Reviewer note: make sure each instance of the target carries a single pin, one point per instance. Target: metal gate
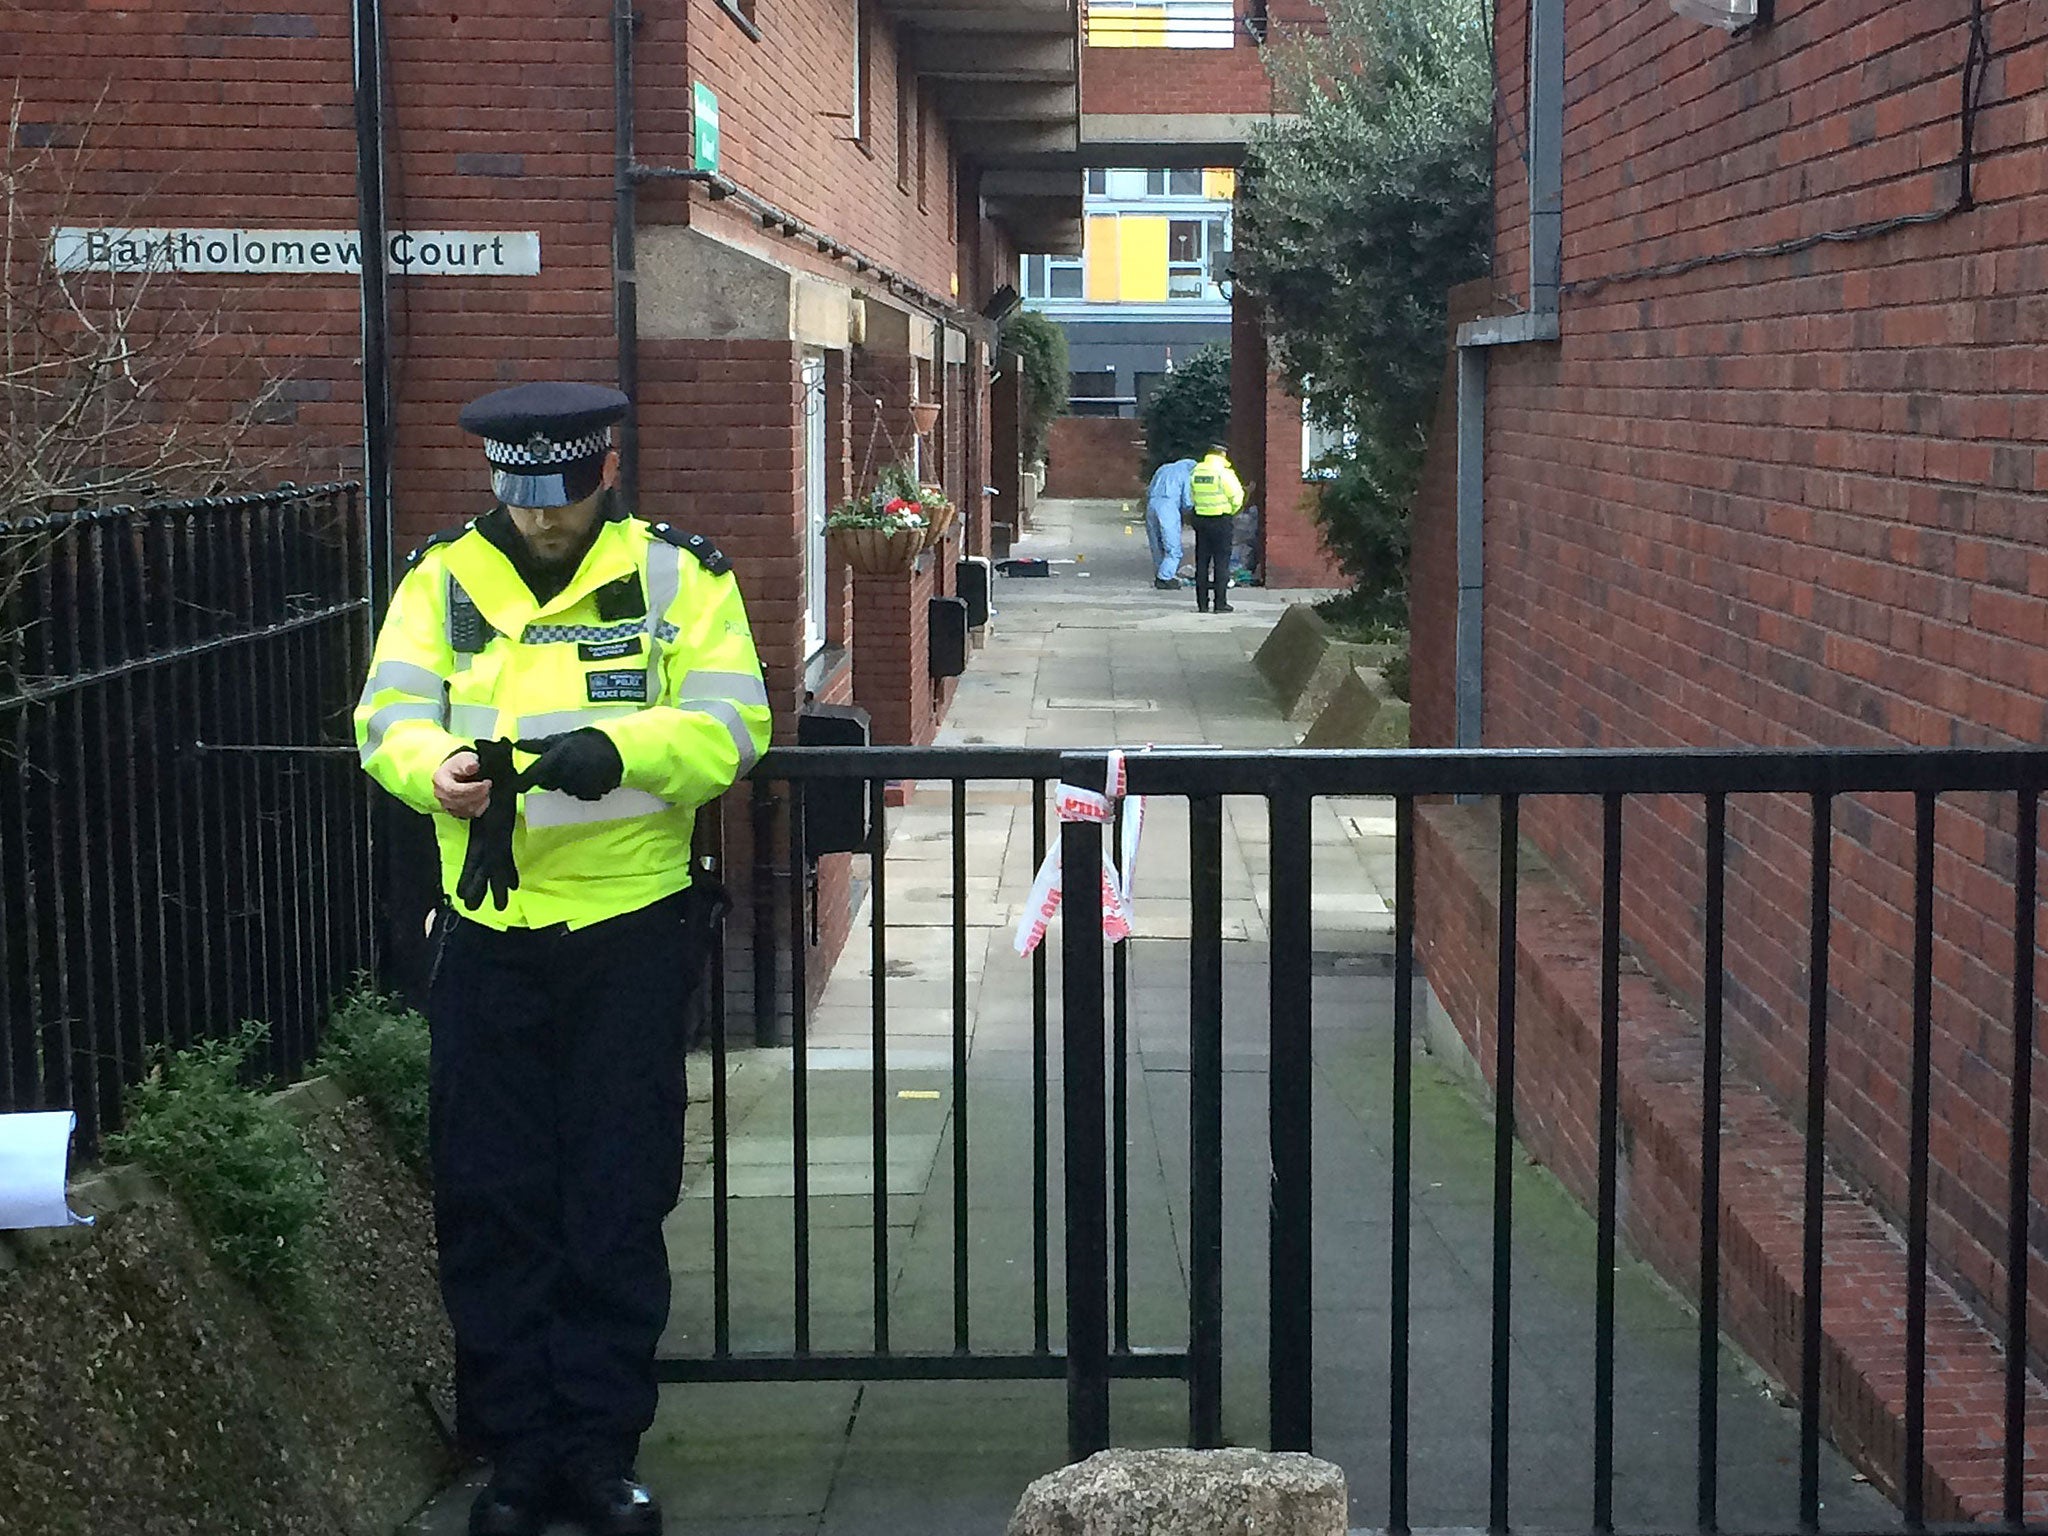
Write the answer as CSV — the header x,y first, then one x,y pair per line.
x,y
1090,1347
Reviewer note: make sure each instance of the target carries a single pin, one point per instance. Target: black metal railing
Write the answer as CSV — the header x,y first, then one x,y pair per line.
x,y
1092,1347
183,829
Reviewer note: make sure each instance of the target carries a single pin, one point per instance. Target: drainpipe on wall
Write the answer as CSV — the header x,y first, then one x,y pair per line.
x,y
1539,322
368,18
625,241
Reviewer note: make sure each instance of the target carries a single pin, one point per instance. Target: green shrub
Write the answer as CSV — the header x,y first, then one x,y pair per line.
x,y
378,1049
1395,672
1364,514
233,1156
1190,410
1043,347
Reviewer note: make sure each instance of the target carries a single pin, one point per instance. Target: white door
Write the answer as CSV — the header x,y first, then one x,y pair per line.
x,y
814,503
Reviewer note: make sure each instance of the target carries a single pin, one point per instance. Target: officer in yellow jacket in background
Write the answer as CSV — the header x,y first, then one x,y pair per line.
x,y
1217,496
560,685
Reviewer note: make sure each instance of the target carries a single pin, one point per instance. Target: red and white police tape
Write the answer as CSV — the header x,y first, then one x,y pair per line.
x,y
1119,865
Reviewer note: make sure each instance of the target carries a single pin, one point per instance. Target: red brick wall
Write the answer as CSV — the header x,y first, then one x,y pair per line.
x,y
721,430
1095,456
1175,80
1294,549
1792,500
892,655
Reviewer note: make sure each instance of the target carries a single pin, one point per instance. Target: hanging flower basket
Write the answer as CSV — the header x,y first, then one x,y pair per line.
x,y
880,533
924,415
939,514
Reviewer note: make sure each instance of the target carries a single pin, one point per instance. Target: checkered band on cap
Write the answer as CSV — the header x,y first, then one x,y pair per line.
x,y
540,449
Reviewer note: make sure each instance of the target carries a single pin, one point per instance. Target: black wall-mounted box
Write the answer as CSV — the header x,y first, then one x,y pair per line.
x,y
948,624
970,580
835,811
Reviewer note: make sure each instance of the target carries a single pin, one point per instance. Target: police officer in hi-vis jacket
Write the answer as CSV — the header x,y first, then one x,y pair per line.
x,y
560,685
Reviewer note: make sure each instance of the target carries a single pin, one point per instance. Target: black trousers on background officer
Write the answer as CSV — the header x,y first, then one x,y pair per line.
x,y
557,1094
1213,537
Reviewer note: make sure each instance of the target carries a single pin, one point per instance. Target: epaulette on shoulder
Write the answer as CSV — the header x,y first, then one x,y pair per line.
x,y
708,554
445,536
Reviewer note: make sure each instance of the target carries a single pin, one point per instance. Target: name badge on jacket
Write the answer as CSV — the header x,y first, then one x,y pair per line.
x,y
616,687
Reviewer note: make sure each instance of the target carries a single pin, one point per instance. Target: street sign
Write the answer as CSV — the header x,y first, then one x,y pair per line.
x,y
704,103
316,252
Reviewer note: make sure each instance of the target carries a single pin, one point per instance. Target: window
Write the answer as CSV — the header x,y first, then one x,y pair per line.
x,y
906,117
814,506
1321,444
1191,248
1184,183
1053,277
860,71
1092,392
1098,183
742,11
924,139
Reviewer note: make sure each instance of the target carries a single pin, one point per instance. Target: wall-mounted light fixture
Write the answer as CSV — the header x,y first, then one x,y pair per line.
x,y
1729,15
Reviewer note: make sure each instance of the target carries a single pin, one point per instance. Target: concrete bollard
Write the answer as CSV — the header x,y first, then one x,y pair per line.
x,y
1186,1493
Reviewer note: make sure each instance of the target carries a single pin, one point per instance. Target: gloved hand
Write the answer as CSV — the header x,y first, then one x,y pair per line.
x,y
583,763
487,866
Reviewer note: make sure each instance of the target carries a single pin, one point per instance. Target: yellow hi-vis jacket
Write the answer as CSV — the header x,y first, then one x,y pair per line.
x,y
1215,488
648,643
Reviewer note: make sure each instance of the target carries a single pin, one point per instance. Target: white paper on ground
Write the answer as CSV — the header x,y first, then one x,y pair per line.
x,y
34,1152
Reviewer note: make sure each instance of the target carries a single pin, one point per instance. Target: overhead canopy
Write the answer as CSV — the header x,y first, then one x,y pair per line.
x,y
1007,76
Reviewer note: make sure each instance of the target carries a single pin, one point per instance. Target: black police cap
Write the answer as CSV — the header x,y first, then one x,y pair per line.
x,y
544,426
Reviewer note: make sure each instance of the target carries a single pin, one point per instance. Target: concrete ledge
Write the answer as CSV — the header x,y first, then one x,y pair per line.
x,y
1557,1048
1360,713
1305,663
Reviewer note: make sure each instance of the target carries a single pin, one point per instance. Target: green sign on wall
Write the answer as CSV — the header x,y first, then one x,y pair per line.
x,y
705,103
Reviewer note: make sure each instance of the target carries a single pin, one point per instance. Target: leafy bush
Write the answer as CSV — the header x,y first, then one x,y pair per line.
x,y
1042,346
1396,673
378,1049
1190,410
1356,215
1364,513
233,1157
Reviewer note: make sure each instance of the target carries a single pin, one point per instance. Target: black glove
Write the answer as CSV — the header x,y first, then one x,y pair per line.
x,y
487,865
583,763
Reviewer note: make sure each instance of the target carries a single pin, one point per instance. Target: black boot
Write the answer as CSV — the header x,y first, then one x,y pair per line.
x,y
614,1504
515,1504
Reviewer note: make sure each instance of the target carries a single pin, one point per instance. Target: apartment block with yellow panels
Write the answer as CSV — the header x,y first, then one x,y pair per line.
x,y
1148,289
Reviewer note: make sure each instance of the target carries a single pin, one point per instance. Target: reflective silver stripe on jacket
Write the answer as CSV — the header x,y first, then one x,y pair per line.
x,y
476,721
405,677
390,715
664,582
552,808
740,687
557,722
727,714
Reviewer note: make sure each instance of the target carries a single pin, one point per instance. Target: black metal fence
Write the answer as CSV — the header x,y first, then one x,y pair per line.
x,y
183,829
1090,1346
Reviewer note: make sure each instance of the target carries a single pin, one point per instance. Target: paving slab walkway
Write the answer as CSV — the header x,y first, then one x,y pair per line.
x,y
1088,657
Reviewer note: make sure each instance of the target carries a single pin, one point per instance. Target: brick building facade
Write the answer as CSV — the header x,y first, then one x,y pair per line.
x,y
1737,485
832,272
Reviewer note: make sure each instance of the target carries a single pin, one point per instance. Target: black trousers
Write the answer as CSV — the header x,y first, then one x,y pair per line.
x,y
1212,559
556,1129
